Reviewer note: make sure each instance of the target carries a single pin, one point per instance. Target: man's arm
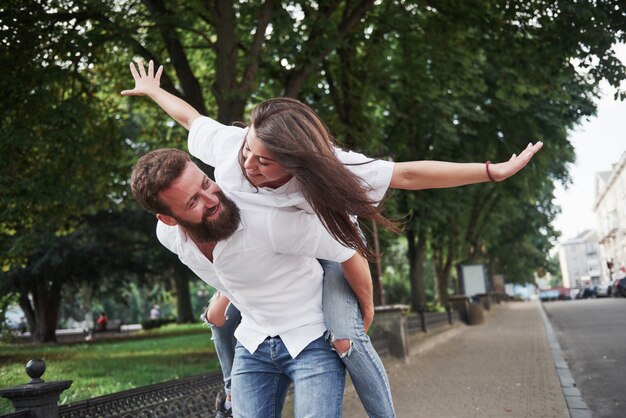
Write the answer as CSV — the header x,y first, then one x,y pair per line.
x,y
418,175
215,314
148,84
357,273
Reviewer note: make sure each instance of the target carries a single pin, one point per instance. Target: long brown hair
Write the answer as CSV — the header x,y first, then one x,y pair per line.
x,y
300,141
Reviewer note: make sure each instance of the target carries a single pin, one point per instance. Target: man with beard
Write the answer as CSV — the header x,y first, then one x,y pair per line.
x,y
264,260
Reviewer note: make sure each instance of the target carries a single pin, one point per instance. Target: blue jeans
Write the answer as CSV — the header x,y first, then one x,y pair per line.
x,y
343,320
224,340
261,380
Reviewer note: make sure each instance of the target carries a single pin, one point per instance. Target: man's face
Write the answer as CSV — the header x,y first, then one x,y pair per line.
x,y
199,206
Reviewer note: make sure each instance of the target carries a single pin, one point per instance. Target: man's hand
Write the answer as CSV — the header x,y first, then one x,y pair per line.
x,y
502,171
145,84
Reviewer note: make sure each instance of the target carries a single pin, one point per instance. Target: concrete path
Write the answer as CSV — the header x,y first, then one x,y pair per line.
x,y
503,368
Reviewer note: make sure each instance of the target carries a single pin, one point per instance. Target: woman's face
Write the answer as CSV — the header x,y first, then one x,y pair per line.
x,y
261,167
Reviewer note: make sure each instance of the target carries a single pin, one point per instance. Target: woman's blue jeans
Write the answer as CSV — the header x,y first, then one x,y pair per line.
x,y
343,321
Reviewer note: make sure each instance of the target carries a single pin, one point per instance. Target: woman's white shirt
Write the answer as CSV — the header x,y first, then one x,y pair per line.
x,y
219,146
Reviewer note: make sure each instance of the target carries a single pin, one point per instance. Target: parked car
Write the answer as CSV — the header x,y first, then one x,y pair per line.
x,y
589,291
604,289
546,295
620,287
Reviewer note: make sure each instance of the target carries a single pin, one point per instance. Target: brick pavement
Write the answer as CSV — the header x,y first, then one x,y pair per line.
x,y
502,368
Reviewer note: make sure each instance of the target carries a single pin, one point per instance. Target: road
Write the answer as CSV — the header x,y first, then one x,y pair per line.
x,y
592,335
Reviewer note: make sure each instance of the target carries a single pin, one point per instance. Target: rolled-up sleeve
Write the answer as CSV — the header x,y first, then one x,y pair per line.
x,y
211,141
375,174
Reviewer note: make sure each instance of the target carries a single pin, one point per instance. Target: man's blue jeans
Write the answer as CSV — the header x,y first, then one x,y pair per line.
x,y
260,380
224,340
343,320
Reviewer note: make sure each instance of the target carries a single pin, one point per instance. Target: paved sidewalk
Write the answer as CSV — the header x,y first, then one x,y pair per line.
x,y
502,368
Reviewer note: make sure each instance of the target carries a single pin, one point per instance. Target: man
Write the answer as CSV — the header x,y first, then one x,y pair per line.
x,y
155,313
264,260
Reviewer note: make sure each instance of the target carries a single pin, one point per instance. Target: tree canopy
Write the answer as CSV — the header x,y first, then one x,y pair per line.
x,y
401,79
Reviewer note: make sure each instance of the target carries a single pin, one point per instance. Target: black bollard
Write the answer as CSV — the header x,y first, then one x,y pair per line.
x,y
449,313
420,311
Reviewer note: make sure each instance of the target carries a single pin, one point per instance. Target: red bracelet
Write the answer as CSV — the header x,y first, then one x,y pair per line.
x,y
488,172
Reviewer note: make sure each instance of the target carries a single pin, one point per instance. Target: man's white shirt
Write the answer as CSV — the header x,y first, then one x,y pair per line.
x,y
268,269
273,278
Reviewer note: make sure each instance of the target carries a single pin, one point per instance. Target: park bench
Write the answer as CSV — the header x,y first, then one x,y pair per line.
x,y
114,325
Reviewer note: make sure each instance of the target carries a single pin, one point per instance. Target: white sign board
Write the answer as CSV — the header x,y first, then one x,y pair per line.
x,y
473,279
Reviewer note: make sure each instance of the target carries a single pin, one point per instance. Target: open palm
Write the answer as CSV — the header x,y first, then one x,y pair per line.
x,y
144,82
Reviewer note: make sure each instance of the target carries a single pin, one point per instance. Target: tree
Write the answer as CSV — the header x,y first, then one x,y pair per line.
x,y
402,79
61,157
463,82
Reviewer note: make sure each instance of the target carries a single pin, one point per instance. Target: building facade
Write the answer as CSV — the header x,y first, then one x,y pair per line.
x,y
610,211
580,260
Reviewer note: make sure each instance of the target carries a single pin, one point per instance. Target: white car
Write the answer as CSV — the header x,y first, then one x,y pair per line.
x,y
604,289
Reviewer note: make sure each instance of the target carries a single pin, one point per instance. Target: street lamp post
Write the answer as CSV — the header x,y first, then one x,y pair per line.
x,y
609,265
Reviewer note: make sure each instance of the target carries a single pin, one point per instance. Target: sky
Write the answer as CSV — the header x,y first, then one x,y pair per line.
x,y
599,143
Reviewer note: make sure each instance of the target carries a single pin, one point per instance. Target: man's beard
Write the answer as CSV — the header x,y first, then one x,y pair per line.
x,y
217,230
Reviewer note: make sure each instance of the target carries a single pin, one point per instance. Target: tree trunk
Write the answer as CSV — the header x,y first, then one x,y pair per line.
x,y
225,88
416,254
376,269
443,259
47,301
183,299
229,109
192,92
443,278
29,313
315,51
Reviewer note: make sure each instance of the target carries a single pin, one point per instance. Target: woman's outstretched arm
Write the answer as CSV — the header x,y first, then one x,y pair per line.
x,y
148,84
417,175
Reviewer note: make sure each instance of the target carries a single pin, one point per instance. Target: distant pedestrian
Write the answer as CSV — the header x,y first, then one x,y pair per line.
x,y
101,322
155,313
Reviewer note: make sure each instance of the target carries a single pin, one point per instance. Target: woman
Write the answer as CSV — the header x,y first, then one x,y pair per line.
x,y
288,158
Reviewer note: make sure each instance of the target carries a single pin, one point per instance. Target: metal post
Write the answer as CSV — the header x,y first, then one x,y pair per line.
x,y
37,397
420,312
449,313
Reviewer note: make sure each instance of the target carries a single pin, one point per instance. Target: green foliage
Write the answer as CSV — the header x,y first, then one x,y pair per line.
x,y
59,151
407,80
471,82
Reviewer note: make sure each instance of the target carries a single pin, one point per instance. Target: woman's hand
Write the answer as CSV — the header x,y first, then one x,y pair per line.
x,y
145,83
502,171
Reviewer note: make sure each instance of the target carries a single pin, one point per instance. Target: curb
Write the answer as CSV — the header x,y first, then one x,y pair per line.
x,y
575,402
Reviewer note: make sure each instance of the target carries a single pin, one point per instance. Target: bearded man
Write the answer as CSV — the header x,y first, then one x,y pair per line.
x,y
264,260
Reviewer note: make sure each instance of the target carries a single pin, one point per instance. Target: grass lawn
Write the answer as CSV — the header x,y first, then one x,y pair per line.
x,y
101,368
